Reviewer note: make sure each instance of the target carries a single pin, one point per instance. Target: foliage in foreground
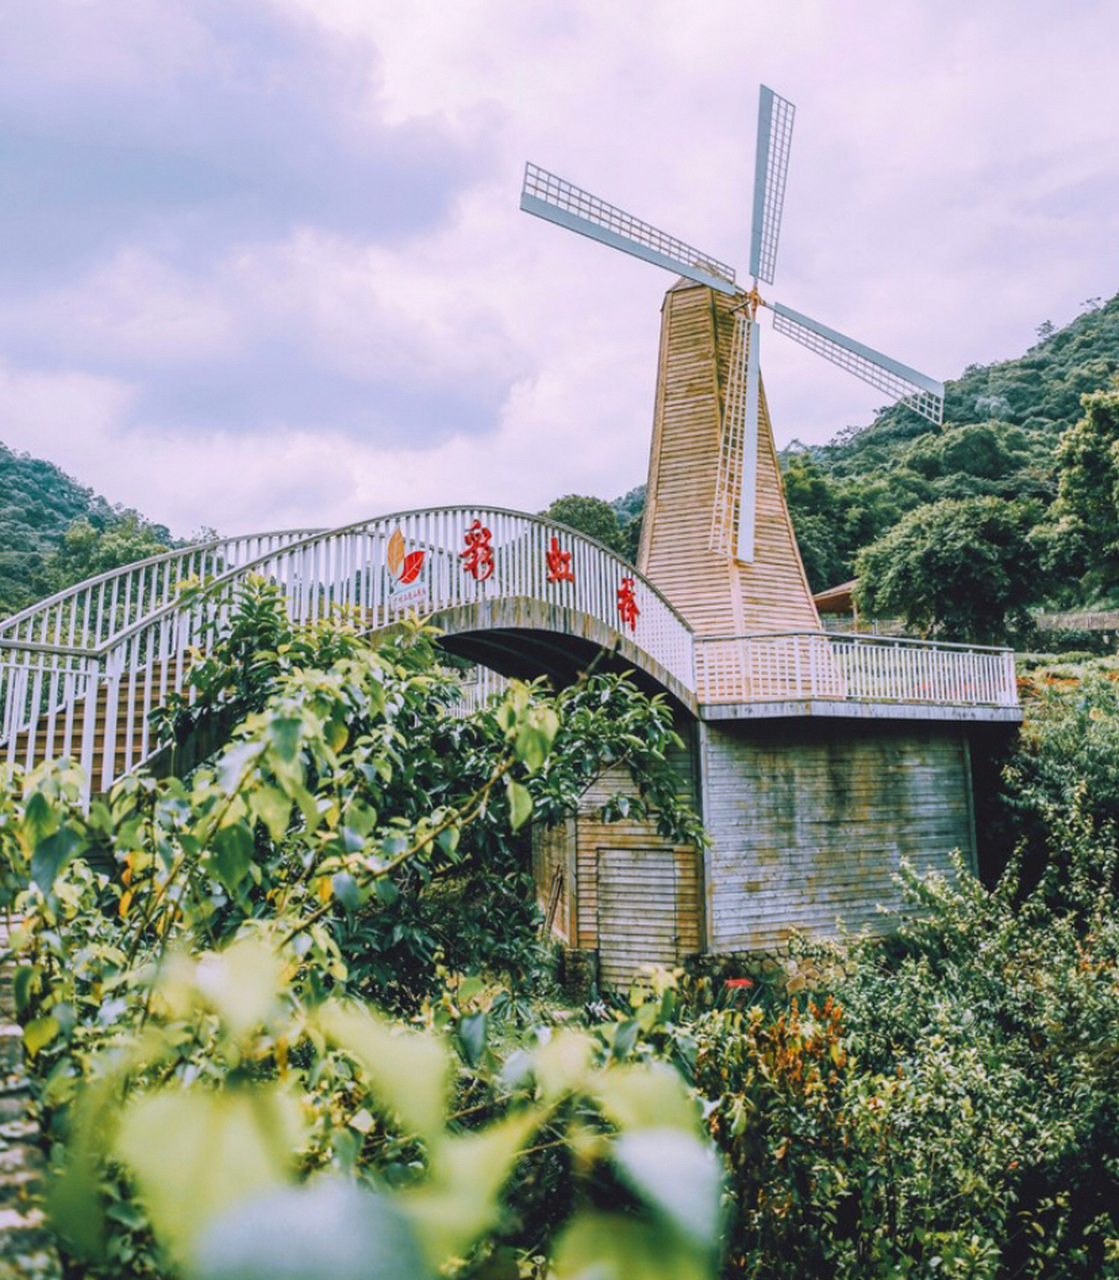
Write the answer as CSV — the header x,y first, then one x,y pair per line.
x,y
951,1108
218,1100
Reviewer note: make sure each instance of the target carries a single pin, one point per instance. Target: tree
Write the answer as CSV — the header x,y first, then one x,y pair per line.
x,y
964,569
1087,507
592,516
88,549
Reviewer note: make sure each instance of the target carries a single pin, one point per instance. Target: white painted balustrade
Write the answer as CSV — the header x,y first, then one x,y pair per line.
x,y
85,667
800,665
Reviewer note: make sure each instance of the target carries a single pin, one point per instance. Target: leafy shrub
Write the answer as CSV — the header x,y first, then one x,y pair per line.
x,y
189,961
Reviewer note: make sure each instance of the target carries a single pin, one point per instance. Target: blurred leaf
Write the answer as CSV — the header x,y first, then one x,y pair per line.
x,y
520,803
645,1097
460,1201
600,1246
562,1064
235,762
326,1230
243,983
407,1069
196,1153
679,1175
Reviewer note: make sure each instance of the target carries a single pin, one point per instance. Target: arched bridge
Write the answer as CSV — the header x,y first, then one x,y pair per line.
x,y
79,672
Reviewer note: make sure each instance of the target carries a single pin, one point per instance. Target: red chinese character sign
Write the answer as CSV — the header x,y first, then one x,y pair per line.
x,y
559,564
477,559
627,604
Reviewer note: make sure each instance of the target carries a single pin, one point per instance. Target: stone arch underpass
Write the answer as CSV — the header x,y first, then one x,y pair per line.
x,y
518,593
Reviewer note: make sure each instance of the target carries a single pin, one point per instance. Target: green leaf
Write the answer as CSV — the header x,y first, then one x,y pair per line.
x,y
38,1034
285,734
601,1246
472,1036
196,1152
679,1175
520,803
21,986
328,1230
386,890
234,762
52,854
273,808
346,890
233,851
645,1097
407,1069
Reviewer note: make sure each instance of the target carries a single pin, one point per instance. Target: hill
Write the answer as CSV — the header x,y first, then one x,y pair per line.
x,y
1002,425
54,531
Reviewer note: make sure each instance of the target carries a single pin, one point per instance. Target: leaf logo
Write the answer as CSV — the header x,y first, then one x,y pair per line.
x,y
396,553
405,568
412,565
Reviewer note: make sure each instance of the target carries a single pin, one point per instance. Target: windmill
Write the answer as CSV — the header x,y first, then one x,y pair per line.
x,y
733,518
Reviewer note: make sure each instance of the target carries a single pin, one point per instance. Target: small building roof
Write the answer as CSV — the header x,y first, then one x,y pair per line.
x,y
837,599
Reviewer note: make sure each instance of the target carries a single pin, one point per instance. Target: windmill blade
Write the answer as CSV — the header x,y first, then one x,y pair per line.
x,y
548,196
775,136
923,394
732,525
748,491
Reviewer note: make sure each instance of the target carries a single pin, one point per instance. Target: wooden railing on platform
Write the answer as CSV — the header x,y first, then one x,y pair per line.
x,y
862,668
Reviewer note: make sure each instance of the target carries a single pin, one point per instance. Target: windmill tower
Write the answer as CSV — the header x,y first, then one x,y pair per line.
x,y
717,538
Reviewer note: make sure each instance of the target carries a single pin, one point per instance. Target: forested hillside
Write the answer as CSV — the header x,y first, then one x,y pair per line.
x,y
1002,424
54,531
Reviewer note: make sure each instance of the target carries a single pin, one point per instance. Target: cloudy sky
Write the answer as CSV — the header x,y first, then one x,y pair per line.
x,y
262,265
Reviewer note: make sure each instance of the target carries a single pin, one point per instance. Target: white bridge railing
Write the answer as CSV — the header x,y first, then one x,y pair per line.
x,y
80,672
859,668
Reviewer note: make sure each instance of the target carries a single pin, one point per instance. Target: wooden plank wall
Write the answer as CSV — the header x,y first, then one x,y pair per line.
x,y
716,594
580,847
810,822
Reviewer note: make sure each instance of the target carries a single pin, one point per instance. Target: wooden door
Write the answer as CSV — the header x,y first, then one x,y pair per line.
x,y
637,911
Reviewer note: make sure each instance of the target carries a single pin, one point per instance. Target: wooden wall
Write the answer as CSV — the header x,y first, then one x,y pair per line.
x,y
811,819
630,894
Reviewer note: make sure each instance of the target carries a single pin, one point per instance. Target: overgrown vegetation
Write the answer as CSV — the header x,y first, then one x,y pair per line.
x,y
200,961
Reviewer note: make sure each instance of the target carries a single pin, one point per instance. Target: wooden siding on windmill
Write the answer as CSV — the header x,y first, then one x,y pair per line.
x,y
716,594
811,821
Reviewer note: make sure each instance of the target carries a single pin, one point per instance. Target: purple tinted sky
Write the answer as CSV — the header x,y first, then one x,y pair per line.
x,y
261,262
